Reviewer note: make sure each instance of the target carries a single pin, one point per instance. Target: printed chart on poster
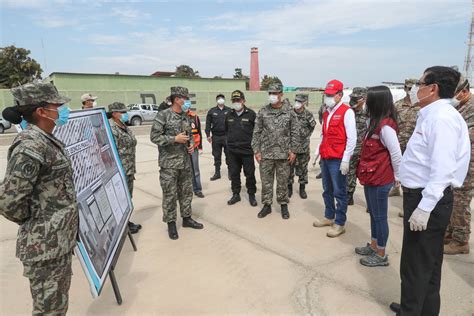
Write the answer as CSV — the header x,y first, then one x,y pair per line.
x,y
102,194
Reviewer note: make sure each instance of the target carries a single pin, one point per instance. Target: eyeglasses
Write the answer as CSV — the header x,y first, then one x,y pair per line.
x,y
422,83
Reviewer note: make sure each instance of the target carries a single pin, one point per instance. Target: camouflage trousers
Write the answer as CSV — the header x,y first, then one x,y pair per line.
x,y
351,175
177,185
49,284
459,228
130,179
269,169
300,168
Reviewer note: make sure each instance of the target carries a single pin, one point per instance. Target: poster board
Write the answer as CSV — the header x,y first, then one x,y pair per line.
x,y
103,198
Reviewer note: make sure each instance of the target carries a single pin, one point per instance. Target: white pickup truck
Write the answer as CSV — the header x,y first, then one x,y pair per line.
x,y
139,113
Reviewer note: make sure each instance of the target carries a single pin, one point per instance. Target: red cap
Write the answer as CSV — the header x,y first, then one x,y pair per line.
x,y
333,87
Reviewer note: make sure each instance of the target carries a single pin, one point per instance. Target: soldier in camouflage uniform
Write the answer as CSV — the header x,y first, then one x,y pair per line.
x,y
357,103
407,114
273,144
305,124
459,229
126,145
171,131
38,194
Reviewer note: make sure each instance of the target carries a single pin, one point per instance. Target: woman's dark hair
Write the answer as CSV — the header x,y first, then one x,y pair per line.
x,y
15,114
446,78
379,106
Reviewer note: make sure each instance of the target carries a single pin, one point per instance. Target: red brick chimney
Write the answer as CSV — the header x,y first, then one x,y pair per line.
x,y
254,72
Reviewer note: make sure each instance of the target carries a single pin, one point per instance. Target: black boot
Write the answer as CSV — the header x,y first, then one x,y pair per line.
x,y
133,228
234,199
172,232
217,174
303,194
284,211
290,190
191,223
350,198
267,209
395,307
252,200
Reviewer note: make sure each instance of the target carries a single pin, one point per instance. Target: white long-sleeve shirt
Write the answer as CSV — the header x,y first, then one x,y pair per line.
x,y
388,137
351,131
437,154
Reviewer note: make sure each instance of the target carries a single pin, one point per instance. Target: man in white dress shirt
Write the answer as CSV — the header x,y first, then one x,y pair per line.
x,y
339,137
436,160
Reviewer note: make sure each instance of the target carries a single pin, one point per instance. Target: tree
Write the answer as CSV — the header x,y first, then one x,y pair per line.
x,y
185,71
267,81
16,67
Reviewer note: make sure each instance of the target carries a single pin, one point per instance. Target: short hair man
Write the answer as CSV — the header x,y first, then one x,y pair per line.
x,y
88,101
339,138
436,160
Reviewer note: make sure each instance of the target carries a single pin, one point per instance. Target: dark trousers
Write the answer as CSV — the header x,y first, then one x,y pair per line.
x,y
219,143
236,163
422,256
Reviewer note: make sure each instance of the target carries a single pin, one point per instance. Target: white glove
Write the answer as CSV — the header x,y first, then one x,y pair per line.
x,y
344,168
419,220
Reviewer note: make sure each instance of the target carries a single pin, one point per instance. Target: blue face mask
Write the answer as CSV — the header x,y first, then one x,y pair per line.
x,y
63,115
124,118
186,105
23,124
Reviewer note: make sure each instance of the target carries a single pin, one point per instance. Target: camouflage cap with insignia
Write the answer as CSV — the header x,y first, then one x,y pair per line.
x,y
37,92
410,82
117,107
462,84
301,97
180,91
275,87
358,92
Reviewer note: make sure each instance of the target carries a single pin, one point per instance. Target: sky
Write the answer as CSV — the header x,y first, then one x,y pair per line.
x,y
304,43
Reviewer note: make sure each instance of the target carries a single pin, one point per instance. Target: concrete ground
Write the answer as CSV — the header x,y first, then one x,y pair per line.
x,y
240,264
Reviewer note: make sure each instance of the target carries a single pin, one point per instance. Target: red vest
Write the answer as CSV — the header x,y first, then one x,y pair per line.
x,y
375,166
334,136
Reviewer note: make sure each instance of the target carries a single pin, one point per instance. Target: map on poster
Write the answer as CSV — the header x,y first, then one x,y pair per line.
x,y
102,194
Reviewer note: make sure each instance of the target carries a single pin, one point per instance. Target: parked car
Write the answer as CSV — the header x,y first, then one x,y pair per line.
x,y
139,113
4,124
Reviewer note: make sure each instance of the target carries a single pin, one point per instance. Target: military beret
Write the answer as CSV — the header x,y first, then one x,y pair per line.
x,y
37,92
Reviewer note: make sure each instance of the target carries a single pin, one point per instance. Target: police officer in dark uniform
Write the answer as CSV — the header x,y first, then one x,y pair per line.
x,y
215,124
239,124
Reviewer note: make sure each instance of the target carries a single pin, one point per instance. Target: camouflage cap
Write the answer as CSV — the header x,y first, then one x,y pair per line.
x,y
181,91
410,82
36,92
117,107
302,97
275,87
462,84
358,92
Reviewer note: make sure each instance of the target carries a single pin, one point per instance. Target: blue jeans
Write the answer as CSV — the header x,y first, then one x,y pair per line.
x,y
334,186
377,202
197,187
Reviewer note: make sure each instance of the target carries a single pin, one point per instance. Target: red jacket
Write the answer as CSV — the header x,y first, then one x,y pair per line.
x,y
334,137
375,166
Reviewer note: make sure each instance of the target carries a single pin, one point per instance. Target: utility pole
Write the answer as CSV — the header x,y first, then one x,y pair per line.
x,y
470,42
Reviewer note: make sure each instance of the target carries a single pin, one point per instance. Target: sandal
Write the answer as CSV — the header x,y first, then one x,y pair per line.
x,y
364,251
374,260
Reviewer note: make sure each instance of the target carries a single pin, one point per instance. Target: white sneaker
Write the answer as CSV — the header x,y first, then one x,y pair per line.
x,y
335,231
323,222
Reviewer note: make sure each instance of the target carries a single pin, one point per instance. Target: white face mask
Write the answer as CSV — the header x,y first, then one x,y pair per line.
x,y
220,101
273,98
329,102
414,95
297,105
237,106
455,102
94,104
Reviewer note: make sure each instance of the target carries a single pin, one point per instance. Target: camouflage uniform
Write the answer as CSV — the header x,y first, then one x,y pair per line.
x,y
407,115
361,126
274,137
305,124
174,161
38,194
126,145
459,228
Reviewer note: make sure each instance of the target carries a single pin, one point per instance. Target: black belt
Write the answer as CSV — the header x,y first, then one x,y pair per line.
x,y
419,190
